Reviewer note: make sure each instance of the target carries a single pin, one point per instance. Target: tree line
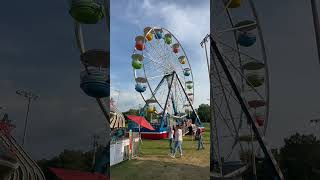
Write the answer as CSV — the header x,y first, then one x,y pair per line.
x,y
203,112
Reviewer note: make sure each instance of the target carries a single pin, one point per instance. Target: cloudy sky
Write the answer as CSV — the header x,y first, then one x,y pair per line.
x,y
38,53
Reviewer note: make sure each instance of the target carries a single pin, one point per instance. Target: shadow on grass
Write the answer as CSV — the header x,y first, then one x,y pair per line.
x,y
157,170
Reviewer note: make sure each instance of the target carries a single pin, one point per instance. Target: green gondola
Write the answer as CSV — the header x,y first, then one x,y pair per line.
x,y
253,66
86,11
255,80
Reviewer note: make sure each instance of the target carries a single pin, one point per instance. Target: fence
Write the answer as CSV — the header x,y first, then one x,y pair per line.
x,y
124,149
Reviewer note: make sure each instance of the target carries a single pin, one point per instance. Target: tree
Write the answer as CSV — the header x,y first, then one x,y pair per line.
x,y
300,157
204,112
132,112
69,159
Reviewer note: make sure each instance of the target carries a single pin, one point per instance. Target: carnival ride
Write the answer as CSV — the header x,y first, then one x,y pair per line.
x,y
94,76
164,79
240,86
15,163
117,122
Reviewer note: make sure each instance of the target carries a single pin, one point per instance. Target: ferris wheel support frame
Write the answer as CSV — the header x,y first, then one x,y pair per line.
x,y
173,76
244,108
165,105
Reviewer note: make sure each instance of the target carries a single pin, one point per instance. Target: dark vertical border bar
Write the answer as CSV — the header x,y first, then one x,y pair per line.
x,y
108,130
212,158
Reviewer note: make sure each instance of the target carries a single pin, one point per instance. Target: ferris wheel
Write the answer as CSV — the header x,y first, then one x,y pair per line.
x,y
238,38
162,72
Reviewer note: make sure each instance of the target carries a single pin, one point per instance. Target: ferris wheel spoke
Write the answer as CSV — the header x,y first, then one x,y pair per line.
x,y
245,78
225,97
164,49
161,100
158,76
171,59
150,52
229,91
162,93
179,95
152,71
159,55
225,121
161,44
153,57
158,64
234,28
152,68
236,129
235,50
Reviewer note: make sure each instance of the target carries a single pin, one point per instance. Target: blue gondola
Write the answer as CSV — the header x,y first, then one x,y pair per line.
x,y
158,35
187,71
140,88
94,84
246,39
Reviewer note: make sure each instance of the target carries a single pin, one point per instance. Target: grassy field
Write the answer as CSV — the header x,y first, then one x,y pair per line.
x,y
154,162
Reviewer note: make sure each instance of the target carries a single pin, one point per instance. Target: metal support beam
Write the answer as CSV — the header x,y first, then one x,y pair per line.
x,y
316,24
165,105
244,108
197,117
104,109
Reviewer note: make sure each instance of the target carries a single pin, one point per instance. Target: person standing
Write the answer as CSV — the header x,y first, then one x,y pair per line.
x,y
178,142
199,135
194,131
171,140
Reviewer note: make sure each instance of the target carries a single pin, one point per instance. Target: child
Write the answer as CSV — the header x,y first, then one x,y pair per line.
x,y
199,135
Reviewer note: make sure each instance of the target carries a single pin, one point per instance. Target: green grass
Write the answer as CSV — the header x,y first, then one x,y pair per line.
x,y
154,162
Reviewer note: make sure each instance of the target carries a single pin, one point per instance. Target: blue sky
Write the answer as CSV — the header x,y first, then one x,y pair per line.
x,y
188,22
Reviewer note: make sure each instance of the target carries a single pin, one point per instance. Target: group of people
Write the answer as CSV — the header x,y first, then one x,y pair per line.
x,y
175,139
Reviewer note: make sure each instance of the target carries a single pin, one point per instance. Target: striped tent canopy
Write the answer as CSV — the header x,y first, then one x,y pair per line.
x,y
117,119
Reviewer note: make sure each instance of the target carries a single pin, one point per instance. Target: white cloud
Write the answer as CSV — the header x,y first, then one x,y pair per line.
x,y
125,100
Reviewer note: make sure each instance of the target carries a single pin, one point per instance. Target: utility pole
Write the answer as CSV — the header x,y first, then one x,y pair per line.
x,y
118,95
95,146
29,96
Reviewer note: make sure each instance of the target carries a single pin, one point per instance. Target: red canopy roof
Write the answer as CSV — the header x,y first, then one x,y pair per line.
x,y
141,121
76,175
